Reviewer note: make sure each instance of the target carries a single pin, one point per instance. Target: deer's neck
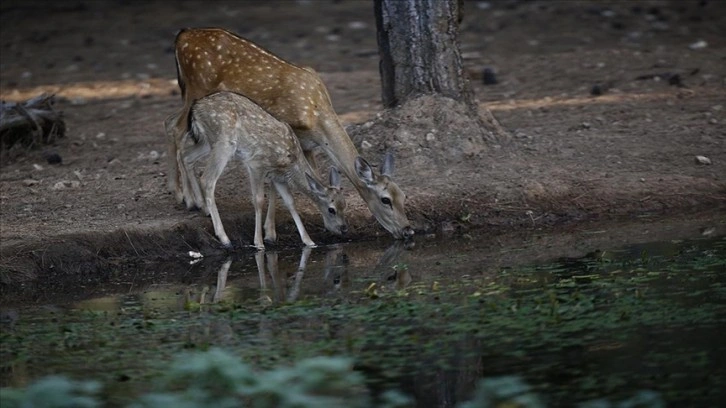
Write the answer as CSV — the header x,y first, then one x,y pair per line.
x,y
341,150
299,182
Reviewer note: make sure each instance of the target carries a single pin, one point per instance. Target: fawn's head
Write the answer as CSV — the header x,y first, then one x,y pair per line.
x,y
330,202
384,198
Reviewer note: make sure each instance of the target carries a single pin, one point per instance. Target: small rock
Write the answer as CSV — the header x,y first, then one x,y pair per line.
x,y
65,184
634,35
357,25
37,167
365,145
660,26
101,135
703,160
489,77
698,45
675,79
430,137
597,90
472,55
153,155
52,158
29,182
586,125
713,121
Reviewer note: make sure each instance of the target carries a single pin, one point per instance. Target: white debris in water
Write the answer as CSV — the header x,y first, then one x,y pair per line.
x,y
195,254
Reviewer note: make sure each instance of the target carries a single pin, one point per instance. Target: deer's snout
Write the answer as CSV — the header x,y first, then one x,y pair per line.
x,y
343,229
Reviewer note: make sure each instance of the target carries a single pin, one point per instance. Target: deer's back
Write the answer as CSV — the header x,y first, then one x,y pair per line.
x,y
235,122
213,59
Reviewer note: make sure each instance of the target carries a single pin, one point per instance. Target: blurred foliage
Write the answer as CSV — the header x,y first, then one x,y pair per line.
x,y
218,379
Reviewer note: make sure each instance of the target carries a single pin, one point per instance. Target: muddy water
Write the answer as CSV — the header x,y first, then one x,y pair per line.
x,y
577,316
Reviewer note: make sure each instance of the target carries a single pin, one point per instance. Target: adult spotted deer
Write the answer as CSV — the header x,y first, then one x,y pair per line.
x,y
226,124
212,59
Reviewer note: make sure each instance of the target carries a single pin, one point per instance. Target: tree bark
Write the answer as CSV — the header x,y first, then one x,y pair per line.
x,y
419,50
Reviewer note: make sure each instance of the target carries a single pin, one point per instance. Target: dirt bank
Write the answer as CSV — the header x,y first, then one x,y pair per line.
x,y
574,156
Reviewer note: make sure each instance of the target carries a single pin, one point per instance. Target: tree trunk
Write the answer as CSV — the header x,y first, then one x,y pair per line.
x,y
432,116
419,49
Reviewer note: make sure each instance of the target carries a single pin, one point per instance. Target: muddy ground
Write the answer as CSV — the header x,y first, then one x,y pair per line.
x,y
574,157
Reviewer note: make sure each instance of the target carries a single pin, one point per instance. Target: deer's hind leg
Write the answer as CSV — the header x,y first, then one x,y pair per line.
x,y
216,161
257,187
270,229
173,131
190,182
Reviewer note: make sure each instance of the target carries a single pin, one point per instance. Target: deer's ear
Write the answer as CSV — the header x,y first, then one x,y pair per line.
x,y
317,188
387,167
334,177
364,170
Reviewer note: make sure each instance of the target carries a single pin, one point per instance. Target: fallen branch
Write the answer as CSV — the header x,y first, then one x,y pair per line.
x,y
30,123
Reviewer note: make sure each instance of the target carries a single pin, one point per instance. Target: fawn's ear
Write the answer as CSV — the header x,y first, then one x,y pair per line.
x,y
334,177
317,188
387,166
364,170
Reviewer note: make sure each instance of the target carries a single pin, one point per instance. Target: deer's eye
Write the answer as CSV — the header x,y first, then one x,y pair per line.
x,y
386,200
331,210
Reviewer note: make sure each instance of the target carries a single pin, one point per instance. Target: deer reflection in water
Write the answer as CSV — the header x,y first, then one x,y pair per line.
x,y
280,282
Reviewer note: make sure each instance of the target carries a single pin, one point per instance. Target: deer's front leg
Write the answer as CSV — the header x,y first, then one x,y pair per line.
x,y
270,230
257,185
290,204
216,163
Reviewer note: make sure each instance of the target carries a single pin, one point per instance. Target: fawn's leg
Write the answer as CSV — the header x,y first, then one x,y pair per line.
x,y
290,204
270,231
192,192
257,187
216,162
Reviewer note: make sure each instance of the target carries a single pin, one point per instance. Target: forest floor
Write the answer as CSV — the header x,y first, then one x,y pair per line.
x,y
628,152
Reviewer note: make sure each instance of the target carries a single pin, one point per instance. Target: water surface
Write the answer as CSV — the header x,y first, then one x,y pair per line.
x,y
575,320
